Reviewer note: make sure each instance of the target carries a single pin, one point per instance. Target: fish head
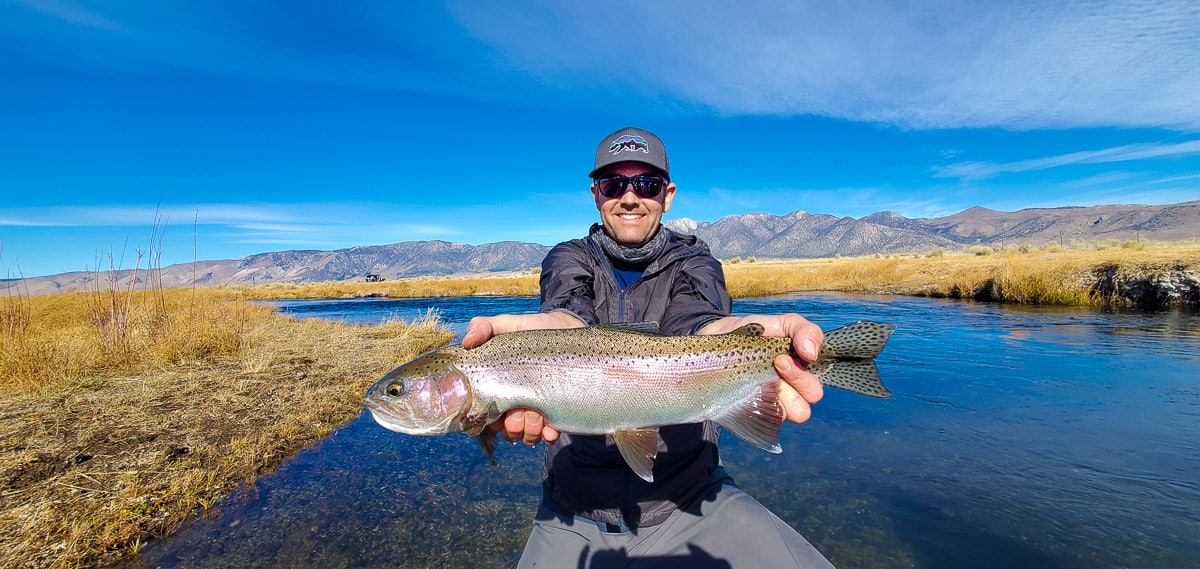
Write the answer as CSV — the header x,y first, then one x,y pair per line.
x,y
426,396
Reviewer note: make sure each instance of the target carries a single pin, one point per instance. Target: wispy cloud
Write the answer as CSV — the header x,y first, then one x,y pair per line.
x,y
1131,152
71,12
920,64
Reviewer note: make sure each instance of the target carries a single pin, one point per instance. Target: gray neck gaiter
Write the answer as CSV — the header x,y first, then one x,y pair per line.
x,y
637,257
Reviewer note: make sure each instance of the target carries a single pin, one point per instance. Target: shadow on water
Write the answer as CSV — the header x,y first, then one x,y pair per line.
x,y
1017,437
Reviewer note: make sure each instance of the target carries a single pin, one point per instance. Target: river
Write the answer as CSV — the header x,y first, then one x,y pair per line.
x,y
1017,437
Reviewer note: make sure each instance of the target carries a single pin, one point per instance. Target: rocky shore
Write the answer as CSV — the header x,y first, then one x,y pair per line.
x,y
1148,287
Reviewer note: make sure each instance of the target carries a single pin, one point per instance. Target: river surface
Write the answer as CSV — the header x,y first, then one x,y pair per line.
x,y
1017,437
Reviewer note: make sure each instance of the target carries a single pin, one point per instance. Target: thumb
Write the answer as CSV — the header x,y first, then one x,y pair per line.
x,y
479,330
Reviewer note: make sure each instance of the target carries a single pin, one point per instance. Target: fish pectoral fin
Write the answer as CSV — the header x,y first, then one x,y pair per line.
x,y
757,419
476,423
488,441
476,426
638,447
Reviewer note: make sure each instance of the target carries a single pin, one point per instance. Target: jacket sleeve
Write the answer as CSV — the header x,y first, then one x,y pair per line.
x,y
567,282
698,296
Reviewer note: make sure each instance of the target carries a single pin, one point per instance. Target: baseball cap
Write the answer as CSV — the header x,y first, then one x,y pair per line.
x,y
632,144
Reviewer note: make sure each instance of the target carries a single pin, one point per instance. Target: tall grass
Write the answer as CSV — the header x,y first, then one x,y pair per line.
x,y
523,284
1066,277
101,450
72,336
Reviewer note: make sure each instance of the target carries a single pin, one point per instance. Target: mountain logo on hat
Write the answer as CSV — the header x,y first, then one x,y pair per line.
x,y
629,143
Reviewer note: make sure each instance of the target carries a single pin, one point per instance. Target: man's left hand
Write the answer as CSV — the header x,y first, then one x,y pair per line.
x,y
801,389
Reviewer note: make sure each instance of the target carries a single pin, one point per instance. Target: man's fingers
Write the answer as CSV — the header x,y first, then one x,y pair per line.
x,y
533,424
800,389
806,336
794,406
514,426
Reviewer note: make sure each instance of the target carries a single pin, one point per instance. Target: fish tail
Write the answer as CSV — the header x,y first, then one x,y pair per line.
x,y
847,358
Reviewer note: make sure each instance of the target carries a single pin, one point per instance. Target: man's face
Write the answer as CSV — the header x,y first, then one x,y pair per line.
x,y
629,219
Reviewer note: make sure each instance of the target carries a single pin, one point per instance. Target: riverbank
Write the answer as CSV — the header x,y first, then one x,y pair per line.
x,y
1145,277
107,443
124,414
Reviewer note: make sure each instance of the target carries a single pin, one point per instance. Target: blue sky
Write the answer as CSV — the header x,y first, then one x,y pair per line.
x,y
246,127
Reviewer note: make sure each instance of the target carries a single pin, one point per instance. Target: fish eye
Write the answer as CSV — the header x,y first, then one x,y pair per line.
x,y
395,389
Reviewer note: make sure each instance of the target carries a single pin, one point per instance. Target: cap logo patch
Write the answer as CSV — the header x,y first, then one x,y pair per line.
x,y
629,143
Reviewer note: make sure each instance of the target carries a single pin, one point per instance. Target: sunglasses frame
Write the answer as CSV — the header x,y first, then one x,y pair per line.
x,y
642,184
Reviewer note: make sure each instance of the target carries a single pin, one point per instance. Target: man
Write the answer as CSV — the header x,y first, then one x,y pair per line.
x,y
595,511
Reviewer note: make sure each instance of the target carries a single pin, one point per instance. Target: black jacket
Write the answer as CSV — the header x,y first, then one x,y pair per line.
x,y
682,290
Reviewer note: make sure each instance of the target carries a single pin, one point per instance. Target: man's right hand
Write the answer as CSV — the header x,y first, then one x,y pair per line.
x,y
524,425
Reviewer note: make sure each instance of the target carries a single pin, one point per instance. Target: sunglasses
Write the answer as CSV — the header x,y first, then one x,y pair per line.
x,y
644,186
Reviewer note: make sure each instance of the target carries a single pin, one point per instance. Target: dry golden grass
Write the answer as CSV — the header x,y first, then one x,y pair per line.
x,y
523,284
104,446
1034,277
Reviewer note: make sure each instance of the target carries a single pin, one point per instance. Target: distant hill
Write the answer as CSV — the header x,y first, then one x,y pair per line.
x,y
804,235
795,235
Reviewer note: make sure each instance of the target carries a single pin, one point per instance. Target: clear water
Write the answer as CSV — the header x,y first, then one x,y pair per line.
x,y
1017,437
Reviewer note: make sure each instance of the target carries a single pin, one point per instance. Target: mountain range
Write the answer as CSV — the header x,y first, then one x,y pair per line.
x,y
796,235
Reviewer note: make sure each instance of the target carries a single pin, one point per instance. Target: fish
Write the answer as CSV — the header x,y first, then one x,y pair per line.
x,y
618,381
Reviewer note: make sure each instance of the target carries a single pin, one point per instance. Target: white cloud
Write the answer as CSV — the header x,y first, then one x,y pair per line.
x,y
981,170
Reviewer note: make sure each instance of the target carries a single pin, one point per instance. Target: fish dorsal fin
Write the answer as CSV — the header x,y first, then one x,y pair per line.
x,y
639,447
757,418
752,329
645,327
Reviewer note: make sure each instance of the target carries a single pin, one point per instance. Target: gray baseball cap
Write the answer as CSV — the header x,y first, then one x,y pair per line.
x,y
632,145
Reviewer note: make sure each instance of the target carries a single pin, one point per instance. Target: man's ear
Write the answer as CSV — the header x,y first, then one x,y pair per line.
x,y
668,196
596,195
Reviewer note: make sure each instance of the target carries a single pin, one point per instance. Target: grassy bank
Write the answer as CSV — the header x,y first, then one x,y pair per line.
x,y
1075,277
123,415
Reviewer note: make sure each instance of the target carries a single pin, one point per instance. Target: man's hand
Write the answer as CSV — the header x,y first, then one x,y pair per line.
x,y
523,425
800,389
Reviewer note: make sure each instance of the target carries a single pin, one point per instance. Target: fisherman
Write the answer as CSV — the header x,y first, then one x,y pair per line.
x,y
595,511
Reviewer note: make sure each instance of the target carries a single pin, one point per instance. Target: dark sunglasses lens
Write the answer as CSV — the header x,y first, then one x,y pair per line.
x,y
612,187
647,186
643,186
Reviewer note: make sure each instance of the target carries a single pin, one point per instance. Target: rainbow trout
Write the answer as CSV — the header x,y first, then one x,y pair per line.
x,y
605,380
